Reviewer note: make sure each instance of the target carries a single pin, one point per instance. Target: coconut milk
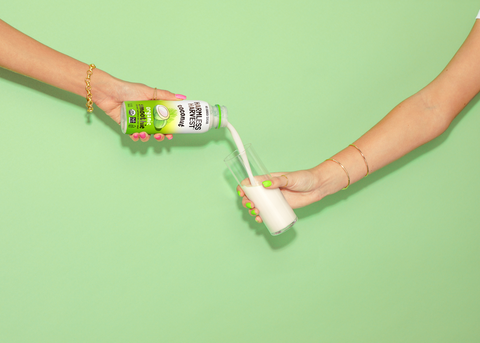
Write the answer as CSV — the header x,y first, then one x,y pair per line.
x,y
275,211
241,150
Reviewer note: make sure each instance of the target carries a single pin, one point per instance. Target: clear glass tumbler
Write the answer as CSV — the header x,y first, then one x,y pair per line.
x,y
275,211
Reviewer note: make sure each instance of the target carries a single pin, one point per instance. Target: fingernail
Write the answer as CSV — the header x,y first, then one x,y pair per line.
x,y
135,135
169,137
257,220
267,183
180,96
158,137
143,135
239,193
253,212
249,205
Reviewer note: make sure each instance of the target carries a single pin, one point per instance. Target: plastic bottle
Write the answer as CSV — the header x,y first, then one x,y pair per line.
x,y
161,116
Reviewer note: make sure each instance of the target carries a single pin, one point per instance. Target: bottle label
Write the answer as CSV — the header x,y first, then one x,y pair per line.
x,y
161,116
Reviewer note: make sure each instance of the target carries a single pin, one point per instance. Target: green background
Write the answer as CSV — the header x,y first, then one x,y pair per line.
x,y
107,240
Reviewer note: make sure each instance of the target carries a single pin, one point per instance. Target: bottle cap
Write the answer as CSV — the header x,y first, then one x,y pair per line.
x,y
222,116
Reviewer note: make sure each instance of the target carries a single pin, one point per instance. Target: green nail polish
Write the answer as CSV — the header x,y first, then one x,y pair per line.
x,y
267,183
249,205
239,193
253,212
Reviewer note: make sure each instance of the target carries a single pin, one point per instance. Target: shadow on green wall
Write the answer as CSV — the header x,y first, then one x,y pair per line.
x,y
334,199
135,147
275,242
219,136
42,87
385,171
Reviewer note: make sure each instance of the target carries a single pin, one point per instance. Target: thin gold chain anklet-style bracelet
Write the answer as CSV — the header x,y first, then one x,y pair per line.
x,y
88,88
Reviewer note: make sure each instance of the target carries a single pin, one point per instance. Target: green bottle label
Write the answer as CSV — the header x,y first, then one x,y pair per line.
x,y
161,116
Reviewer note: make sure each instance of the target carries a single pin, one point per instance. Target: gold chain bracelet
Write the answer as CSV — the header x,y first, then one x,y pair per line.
x,y
88,88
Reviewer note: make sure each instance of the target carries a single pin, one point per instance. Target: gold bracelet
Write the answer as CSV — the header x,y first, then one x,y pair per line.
x,y
344,169
364,158
88,88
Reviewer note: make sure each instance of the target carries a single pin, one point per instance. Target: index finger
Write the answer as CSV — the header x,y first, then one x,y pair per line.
x,y
240,191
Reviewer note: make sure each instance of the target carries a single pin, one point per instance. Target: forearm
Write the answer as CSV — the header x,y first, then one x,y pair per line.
x,y
414,122
24,55
409,125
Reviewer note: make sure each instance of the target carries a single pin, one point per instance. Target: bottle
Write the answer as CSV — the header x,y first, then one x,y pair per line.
x,y
162,116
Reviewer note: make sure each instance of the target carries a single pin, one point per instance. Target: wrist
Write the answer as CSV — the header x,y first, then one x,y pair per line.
x,y
329,178
103,85
345,168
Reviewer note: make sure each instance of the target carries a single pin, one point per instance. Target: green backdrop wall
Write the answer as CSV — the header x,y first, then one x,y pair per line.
x,y
107,240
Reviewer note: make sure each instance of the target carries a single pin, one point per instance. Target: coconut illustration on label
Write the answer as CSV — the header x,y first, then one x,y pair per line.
x,y
161,115
161,112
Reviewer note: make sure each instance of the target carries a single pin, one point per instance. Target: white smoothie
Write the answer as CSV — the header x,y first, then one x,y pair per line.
x,y
242,153
275,211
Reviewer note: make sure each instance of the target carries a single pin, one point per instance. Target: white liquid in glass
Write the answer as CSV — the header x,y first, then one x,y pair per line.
x,y
274,209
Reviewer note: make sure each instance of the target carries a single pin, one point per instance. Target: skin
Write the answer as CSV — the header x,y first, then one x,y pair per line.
x,y
26,56
414,122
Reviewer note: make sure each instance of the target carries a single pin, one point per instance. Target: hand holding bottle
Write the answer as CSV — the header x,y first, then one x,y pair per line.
x,y
28,57
109,93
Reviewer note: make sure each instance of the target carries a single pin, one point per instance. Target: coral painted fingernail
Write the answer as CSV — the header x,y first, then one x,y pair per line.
x,y
267,183
180,96
135,135
249,205
169,137
143,135
158,137
239,193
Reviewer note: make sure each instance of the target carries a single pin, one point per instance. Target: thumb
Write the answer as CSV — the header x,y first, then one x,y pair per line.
x,y
278,180
166,95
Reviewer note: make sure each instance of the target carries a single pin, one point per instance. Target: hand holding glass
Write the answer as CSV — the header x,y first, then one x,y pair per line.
x,y
275,211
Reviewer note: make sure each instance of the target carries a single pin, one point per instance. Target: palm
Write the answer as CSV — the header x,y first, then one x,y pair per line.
x,y
301,191
112,108
124,91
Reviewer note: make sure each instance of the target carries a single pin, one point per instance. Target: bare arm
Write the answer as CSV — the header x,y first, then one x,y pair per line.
x,y
24,55
415,121
423,116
